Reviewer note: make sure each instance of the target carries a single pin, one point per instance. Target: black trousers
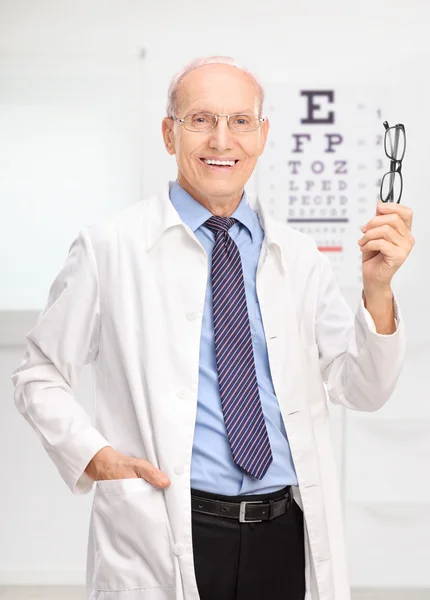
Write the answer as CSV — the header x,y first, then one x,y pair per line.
x,y
249,561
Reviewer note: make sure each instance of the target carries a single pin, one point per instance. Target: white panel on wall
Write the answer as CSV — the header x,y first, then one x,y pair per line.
x,y
44,527
388,542
70,153
387,460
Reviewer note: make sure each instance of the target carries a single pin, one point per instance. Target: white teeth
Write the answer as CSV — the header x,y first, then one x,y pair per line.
x,y
230,163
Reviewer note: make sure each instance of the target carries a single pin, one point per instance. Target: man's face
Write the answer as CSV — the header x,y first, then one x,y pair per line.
x,y
215,88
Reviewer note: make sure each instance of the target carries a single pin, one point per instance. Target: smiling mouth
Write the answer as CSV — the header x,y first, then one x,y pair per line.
x,y
226,165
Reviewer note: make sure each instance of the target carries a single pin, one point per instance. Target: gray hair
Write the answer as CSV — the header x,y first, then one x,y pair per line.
x,y
172,95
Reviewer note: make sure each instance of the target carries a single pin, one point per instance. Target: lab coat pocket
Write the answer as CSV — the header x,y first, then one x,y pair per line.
x,y
130,531
316,394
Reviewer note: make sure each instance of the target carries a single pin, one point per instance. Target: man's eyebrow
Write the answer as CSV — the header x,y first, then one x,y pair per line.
x,y
245,111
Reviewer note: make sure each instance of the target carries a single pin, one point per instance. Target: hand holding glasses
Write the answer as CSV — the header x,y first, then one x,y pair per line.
x,y
395,145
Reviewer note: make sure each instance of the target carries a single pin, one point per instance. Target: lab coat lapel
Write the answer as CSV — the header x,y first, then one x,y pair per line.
x,y
278,313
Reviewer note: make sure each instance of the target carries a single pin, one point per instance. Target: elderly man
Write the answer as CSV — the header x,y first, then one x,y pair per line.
x,y
211,329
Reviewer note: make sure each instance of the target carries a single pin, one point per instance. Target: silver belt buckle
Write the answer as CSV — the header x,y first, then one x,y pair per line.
x,y
243,508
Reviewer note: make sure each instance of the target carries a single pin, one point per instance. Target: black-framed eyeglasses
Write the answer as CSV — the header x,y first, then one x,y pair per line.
x,y
395,146
202,122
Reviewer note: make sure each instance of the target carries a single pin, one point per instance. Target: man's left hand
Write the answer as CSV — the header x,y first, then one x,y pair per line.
x,y
386,243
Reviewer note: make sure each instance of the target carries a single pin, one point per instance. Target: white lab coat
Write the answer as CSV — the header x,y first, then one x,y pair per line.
x,y
129,300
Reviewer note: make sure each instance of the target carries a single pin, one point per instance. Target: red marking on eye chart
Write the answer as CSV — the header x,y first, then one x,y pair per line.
x,y
330,248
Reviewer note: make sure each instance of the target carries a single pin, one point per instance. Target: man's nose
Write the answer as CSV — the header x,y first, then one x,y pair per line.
x,y
221,135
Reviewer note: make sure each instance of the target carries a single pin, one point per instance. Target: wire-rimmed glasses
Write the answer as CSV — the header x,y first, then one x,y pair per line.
x,y
202,122
395,146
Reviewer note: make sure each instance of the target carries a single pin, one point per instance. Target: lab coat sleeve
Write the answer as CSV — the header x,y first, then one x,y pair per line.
x,y
359,366
64,339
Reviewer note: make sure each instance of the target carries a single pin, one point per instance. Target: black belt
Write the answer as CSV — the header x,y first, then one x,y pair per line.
x,y
248,511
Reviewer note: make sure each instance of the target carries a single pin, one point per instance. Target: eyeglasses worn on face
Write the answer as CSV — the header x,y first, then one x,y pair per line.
x,y
201,122
395,146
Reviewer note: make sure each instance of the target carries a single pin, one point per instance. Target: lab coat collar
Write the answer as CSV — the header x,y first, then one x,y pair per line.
x,y
162,215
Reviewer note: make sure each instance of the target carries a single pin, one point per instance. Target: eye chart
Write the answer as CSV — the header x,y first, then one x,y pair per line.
x,y
322,166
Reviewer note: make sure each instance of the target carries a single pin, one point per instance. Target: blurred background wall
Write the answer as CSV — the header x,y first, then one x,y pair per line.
x,y
82,94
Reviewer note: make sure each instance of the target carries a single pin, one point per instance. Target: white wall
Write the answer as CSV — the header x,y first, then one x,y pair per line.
x,y
71,151
384,456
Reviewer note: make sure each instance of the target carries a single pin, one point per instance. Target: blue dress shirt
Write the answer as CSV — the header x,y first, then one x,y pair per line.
x,y
212,465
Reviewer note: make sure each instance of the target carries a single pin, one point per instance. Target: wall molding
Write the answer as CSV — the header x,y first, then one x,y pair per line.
x,y
70,577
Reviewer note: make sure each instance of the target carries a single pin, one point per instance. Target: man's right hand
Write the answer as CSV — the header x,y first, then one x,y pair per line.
x,y
110,464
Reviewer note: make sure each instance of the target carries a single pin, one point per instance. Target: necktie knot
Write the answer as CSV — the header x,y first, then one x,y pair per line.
x,y
216,224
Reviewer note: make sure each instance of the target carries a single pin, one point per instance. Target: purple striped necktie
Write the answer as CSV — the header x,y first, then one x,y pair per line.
x,y
240,398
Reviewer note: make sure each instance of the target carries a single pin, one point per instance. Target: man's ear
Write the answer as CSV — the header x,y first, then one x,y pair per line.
x,y
264,131
167,131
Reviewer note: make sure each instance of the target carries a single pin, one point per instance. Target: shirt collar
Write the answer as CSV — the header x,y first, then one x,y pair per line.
x,y
194,214
161,215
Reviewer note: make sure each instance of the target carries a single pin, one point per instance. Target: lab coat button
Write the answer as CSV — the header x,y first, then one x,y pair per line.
x,y
179,470
181,393
178,549
191,315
